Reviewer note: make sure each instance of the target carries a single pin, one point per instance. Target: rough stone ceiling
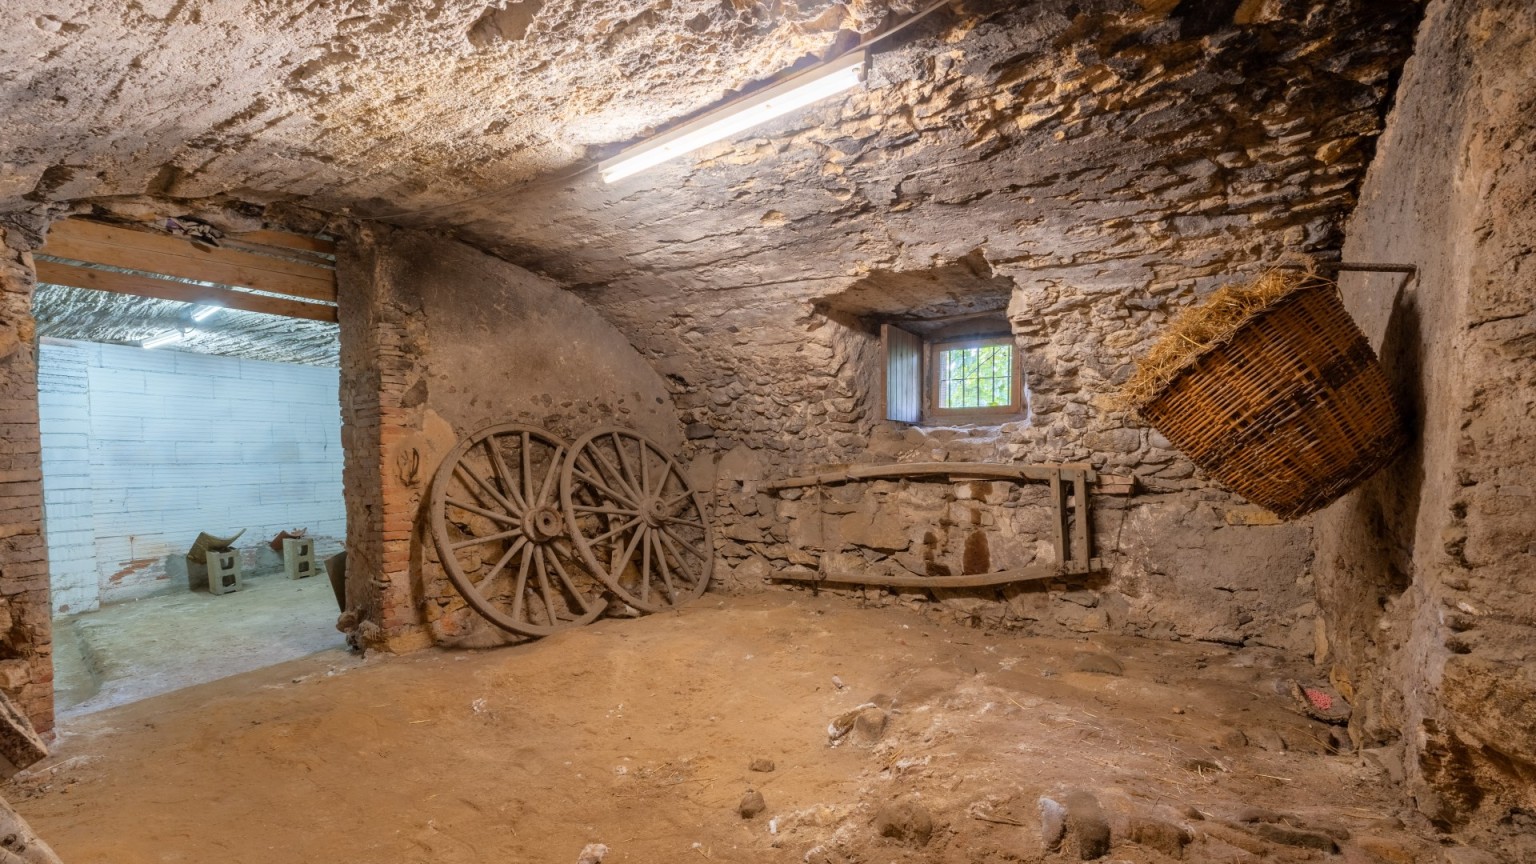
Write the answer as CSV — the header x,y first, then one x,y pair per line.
x,y
1091,144
392,101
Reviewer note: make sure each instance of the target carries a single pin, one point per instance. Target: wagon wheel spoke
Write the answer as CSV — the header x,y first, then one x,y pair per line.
x,y
588,475
617,572
611,511
614,472
496,497
504,510
685,544
520,586
500,565
503,476
682,570
645,471
489,538
547,488
622,493
645,571
481,511
666,574
627,469
549,603
526,457
565,579
619,530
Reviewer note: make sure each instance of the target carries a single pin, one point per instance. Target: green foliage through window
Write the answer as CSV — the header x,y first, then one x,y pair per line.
x,y
980,377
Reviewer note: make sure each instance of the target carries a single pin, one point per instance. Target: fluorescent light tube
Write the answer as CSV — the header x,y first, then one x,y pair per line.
x,y
776,101
203,312
168,338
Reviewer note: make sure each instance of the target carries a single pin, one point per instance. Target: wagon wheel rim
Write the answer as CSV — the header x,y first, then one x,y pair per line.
x,y
636,520
520,570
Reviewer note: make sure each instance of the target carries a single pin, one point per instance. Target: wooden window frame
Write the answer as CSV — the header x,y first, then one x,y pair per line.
x,y
931,352
961,333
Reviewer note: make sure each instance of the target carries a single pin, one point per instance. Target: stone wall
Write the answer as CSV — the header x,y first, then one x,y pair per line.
x,y
1094,168
1424,573
438,341
1183,558
26,626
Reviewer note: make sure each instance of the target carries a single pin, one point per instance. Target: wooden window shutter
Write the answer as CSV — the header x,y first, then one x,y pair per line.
x,y
903,354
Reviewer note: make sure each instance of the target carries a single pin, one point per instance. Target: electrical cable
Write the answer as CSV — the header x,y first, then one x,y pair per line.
x,y
521,184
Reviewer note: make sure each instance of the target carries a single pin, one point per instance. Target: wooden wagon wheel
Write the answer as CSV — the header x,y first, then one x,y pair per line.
x,y
635,519
500,534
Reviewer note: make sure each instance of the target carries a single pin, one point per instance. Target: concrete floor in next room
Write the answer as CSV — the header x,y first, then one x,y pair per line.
x,y
131,651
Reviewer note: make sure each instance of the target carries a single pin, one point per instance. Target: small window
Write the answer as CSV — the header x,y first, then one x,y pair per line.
x,y
974,375
953,374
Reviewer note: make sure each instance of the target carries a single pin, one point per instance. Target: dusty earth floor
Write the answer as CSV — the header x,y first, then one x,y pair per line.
x,y
640,734
130,651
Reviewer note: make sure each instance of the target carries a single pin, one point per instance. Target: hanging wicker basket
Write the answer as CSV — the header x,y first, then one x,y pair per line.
x,y
1273,391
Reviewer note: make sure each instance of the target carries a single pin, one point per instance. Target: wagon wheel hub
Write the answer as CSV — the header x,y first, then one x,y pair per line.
x,y
654,512
543,524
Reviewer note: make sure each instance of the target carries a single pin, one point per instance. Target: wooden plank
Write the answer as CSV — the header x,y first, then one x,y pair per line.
x,y
301,242
1082,540
312,259
968,470
1059,519
150,252
166,289
976,580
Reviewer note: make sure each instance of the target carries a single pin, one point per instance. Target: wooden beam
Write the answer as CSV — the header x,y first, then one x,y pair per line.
x,y
165,289
1059,520
152,252
1082,526
977,580
301,242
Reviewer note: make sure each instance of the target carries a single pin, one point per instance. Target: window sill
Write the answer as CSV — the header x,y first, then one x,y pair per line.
x,y
968,420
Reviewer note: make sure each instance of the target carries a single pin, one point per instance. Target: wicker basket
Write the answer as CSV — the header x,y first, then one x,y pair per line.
x,y
1290,411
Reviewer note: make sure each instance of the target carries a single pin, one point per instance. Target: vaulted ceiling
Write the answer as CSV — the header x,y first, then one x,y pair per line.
x,y
1096,145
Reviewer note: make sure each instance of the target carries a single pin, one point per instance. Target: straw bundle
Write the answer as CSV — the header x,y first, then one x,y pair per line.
x,y
1202,328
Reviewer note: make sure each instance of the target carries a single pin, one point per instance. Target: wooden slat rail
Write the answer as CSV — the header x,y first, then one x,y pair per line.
x,y
156,253
975,580
1113,483
167,289
1071,516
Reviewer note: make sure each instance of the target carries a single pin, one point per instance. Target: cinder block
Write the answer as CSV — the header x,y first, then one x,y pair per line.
x,y
223,571
299,557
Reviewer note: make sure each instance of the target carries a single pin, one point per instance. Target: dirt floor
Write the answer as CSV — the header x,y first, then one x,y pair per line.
x,y
130,651
646,736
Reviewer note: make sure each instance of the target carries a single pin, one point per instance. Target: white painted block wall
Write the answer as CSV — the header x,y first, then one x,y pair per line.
x,y
178,443
64,413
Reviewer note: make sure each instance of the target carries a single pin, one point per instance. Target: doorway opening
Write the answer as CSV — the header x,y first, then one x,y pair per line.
x,y
187,386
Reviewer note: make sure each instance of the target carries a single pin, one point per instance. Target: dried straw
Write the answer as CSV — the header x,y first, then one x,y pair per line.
x,y
1206,326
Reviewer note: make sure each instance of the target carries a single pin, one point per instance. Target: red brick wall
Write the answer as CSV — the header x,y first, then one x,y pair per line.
x,y
26,626
379,338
